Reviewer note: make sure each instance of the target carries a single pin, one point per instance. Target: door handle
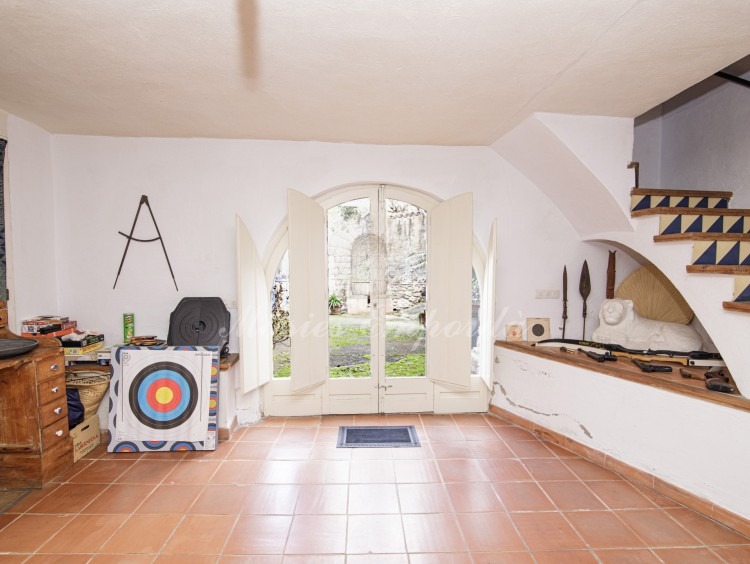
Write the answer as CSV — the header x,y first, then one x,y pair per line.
x,y
58,410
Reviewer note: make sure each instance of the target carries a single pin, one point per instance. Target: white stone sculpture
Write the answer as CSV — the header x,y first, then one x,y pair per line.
x,y
619,324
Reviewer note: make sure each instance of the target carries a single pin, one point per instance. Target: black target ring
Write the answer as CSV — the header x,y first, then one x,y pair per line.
x,y
163,395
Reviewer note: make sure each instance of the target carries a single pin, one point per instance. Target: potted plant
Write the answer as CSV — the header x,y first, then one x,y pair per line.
x,y
334,304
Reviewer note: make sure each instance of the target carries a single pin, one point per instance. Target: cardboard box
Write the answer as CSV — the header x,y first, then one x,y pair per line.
x,y
86,437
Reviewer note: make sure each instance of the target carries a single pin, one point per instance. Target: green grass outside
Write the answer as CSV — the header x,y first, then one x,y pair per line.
x,y
343,334
282,365
409,366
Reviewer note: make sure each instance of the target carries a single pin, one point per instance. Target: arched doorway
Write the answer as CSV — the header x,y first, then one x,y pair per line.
x,y
379,353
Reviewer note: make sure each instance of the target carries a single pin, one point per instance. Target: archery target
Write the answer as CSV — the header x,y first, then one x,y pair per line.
x,y
165,395
199,321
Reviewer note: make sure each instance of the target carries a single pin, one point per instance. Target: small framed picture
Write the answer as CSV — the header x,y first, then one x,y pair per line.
x,y
537,328
514,332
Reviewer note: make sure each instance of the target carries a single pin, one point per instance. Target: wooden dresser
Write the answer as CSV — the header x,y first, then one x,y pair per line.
x,y
34,442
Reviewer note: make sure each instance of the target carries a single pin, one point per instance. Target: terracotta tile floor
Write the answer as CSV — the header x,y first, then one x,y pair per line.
x,y
478,490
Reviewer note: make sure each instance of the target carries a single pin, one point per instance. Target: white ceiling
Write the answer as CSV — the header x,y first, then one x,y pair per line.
x,y
447,72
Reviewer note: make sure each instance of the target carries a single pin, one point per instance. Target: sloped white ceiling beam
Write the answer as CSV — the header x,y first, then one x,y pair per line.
x,y
577,179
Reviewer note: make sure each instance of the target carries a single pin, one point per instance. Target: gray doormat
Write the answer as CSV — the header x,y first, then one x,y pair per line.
x,y
378,437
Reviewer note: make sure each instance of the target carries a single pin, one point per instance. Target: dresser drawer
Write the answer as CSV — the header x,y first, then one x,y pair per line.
x,y
49,367
51,412
52,390
54,433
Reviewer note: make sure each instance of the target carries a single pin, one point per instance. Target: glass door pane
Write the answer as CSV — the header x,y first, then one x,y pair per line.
x,y
282,340
476,304
406,287
352,252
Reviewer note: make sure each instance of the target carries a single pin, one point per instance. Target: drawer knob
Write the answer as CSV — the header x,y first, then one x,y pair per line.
x,y
55,390
59,433
58,410
54,367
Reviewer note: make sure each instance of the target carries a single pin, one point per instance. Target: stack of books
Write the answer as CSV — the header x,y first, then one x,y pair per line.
x,y
82,343
47,326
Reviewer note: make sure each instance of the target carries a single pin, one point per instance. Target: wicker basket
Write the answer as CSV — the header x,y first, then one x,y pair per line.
x,y
92,386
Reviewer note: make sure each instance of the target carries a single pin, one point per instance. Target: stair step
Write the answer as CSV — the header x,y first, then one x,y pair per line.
x,y
743,307
730,253
650,198
704,221
689,211
717,269
742,289
683,193
701,236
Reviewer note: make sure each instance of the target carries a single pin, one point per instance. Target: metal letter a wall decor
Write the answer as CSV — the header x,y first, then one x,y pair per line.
x,y
144,200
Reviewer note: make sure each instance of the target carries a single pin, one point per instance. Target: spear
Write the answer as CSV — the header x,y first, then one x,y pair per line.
x,y
611,275
584,287
565,298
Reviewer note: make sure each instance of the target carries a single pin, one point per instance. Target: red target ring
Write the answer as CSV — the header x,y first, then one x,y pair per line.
x,y
164,395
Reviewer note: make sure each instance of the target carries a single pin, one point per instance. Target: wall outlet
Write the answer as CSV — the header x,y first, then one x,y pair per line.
x,y
547,294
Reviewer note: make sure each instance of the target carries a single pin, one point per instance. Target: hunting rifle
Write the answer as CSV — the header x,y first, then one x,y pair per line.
x,y
694,358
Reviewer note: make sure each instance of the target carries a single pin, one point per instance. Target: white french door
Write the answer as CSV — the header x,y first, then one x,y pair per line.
x,y
377,278
379,305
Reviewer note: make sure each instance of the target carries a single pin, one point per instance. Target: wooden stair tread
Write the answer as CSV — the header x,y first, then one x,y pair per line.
x,y
690,211
743,307
702,237
679,193
717,269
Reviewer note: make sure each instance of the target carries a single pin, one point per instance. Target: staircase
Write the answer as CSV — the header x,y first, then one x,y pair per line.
x,y
720,234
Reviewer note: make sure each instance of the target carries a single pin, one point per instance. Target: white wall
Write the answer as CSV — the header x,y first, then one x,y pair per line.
x,y
639,425
30,233
196,186
703,138
647,148
690,443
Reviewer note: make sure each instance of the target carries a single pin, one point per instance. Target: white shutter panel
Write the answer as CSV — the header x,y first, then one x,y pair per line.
x,y
254,309
449,251
487,316
308,285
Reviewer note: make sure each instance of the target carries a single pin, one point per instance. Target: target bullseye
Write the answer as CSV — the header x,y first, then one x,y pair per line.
x,y
163,395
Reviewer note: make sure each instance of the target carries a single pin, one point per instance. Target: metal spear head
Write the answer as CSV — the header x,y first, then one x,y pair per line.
x,y
584,286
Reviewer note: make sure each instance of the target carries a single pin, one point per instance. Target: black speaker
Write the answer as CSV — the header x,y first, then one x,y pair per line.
x,y
199,322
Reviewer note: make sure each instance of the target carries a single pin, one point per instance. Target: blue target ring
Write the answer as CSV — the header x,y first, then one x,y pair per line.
x,y
125,447
181,446
163,395
154,445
